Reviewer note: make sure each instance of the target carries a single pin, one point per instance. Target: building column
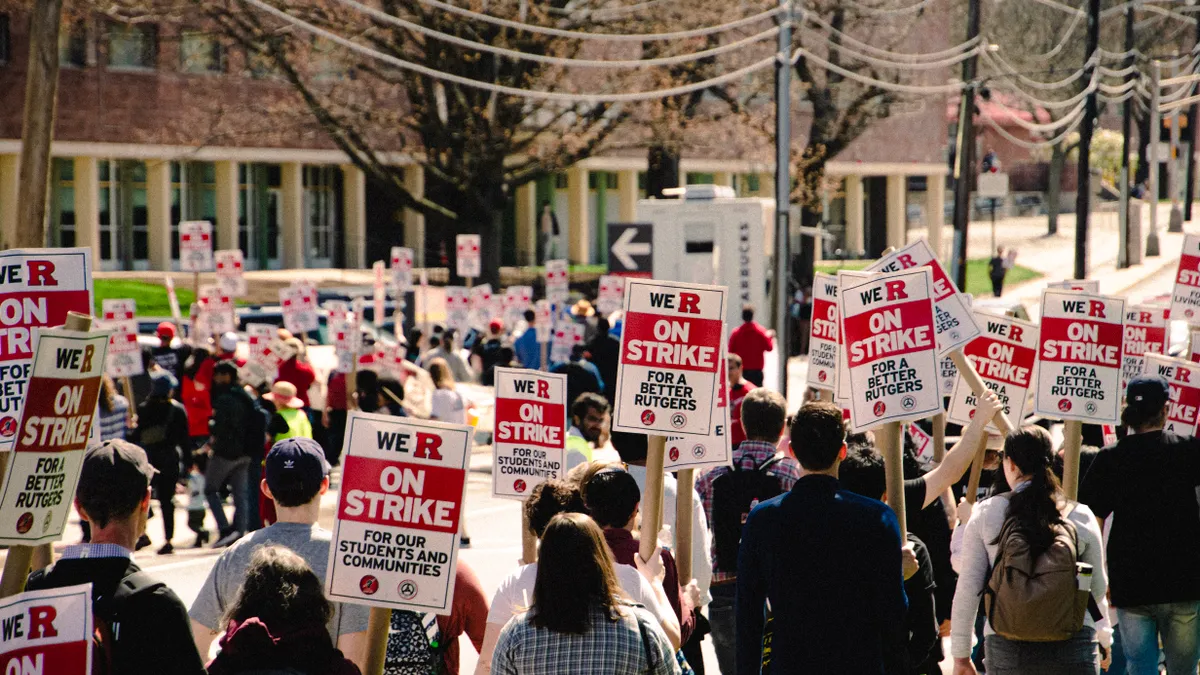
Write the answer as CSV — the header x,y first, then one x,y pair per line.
x,y
578,228
896,217
627,192
158,213
10,180
226,227
292,214
854,215
414,221
354,216
87,206
526,210
935,211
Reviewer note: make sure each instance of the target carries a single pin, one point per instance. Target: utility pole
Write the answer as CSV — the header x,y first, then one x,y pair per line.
x,y
783,188
1152,248
964,155
41,95
1189,190
1083,190
1126,132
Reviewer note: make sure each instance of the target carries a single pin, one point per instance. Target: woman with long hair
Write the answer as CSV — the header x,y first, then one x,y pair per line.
x,y
278,621
115,420
1038,516
447,403
578,620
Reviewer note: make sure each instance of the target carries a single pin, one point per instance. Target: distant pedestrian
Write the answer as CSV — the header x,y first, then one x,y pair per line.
x,y
196,394
751,341
115,417
170,352
604,351
289,419
997,270
549,232
238,435
526,347
739,386
582,375
163,432
485,353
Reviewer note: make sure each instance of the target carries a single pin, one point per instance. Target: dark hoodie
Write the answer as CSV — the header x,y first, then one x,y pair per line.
x,y
252,646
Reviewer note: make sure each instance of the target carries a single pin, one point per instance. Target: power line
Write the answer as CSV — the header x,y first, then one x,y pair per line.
x,y
884,63
866,9
882,84
1034,144
884,53
1005,66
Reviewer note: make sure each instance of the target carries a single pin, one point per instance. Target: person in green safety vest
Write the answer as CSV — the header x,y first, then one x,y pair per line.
x,y
289,420
589,428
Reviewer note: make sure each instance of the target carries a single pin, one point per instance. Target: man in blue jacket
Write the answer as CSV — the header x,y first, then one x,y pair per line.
x,y
829,563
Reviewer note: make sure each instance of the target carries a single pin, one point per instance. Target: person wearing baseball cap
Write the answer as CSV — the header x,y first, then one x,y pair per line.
x,y
150,625
227,349
1148,482
296,476
170,352
485,353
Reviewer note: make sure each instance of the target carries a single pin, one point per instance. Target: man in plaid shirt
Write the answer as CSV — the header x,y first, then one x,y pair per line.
x,y
764,414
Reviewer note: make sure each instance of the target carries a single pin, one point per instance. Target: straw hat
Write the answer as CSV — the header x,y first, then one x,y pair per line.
x,y
283,395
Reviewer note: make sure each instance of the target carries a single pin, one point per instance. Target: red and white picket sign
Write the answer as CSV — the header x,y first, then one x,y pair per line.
x,y
891,347
1079,357
55,428
402,268
543,320
823,340
1146,331
923,443
1194,346
48,631
263,363
531,431
952,317
517,299
558,285
1005,357
124,353
231,271
195,246
217,309
1085,285
483,306
469,259
404,482
1110,434
1184,379
567,334
1185,298
299,309
611,295
669,367
458,308
37,288
699,452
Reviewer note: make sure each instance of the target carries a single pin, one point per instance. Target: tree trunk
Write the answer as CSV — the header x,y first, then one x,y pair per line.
x,y
1054,188
1141,173
662,170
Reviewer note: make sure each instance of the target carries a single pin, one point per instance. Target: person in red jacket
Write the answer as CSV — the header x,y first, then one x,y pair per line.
x,y
227,349
751,342
297,371
196,392
738,388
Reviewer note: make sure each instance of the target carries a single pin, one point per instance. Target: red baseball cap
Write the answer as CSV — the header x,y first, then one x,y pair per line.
x,y
166,329
496,325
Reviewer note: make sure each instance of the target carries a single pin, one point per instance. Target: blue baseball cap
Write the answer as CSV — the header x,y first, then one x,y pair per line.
x,y
296,464
1148,391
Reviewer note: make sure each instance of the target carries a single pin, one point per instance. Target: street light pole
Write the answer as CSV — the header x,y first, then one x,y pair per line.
x,y
1083,189
1190,189
1126,132
1152,248
783,187
964,155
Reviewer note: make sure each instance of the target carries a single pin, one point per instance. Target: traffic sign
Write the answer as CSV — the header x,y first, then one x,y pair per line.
x,y
1079,357
992,185
630,249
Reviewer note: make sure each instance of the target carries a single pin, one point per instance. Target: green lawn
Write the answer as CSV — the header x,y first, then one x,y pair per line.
x,y
151,297
978,283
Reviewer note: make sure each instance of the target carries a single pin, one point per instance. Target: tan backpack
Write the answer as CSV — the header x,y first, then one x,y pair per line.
x,y
1036,599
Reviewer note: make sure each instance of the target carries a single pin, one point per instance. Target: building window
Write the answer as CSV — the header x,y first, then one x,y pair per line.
x,y
201,53
61,232
132,46
193,197
320,213
72,45
259,215
697,178
752,184
124,221
4,39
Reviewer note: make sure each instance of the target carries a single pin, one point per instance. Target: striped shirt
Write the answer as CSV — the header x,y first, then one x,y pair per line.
x,y
632,645
112,423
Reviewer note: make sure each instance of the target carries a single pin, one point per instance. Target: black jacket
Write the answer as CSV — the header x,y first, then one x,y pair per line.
x,y
162,431
238,425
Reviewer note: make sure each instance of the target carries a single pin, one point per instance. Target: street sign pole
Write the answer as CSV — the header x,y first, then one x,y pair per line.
x,y
783,186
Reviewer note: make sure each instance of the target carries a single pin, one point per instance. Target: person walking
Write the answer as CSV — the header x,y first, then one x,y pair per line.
x,y
163,432
1147,484
1033,628
277,622
839,611
577,619
289,419
997,270
582,375
238,434
196,394
115,419
751,341
144,623
738,388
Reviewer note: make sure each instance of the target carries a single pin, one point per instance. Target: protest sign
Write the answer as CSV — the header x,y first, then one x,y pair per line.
x,y
1005,357
48,631
458,308
124,353
469,260
823,341
1194,346
56,424
395,536
1185,298
612,294
947,376
922,443
891,349
697,452
1079,357
1085,285
402,267
1146,331
1110,434
841,394
558,285
482,307
379,292
37,288
567,334
263,362
231,270
517,299
299,310
195,246
217,307
953,321
669,365
531,430
543,320
1184,380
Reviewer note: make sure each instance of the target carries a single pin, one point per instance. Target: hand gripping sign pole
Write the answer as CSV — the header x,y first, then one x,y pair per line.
x,y
667,375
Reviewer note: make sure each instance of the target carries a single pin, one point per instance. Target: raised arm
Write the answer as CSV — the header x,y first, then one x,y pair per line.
x,y
958,460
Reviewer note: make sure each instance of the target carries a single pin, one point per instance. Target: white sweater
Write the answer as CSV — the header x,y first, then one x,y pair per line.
x,y
978,553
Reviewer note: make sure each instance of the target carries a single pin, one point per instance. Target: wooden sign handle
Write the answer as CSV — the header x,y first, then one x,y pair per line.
x,y
683,524
528,541
1072,442
939,437
378,623
656,447
976,470
889,438
971,377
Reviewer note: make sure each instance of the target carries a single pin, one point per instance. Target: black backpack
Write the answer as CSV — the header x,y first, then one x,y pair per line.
x,y
414,645
734,494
